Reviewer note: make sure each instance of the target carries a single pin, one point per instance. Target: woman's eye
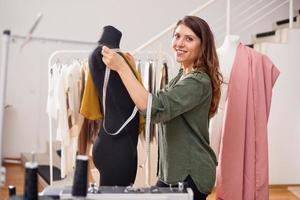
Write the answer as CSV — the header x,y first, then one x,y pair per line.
x,y
176,36
189,39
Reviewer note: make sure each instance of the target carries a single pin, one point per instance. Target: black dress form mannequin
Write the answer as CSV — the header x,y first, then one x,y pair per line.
x,y
115,156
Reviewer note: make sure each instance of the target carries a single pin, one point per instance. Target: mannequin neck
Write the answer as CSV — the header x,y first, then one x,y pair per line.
x,y
230,42
226,54
110,37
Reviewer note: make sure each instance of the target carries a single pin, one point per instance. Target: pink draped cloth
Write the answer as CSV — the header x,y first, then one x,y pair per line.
x,y
242,173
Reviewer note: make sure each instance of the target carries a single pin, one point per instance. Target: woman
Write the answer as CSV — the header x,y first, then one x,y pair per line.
x,y
183,107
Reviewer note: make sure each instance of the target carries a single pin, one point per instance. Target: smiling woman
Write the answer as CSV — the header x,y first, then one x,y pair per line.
x,y
183,107
186,46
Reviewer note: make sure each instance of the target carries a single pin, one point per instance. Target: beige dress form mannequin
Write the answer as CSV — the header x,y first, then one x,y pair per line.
x,y
226,55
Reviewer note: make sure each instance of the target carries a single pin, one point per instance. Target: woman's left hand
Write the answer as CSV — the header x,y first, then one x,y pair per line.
x,y
111,59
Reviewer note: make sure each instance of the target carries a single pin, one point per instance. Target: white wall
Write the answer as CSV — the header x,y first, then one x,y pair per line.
x,y
26,125
284,120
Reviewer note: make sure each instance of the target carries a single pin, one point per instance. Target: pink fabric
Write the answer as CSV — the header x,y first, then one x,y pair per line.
x,y
242,173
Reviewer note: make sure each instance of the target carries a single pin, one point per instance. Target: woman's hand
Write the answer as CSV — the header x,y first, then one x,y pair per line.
x,y
112,59
135,89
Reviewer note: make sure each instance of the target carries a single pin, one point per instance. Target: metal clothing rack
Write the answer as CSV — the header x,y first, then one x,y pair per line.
x,y
160,57
45,39
7,37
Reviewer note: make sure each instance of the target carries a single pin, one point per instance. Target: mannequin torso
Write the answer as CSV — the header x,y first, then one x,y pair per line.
x,y
226,55
115,156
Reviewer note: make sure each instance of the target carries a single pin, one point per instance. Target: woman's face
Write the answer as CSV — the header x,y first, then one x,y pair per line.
x,y
186,45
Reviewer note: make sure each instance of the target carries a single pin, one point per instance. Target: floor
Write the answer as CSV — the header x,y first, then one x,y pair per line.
x,y
15,176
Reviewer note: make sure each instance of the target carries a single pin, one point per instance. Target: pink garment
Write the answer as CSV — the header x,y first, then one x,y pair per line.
x,y
242,173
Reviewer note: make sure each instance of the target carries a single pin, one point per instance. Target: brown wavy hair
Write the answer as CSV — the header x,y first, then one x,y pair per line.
x,y
207,60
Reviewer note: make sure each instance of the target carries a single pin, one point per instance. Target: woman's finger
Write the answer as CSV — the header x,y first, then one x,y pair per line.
x,y
106,50
103,51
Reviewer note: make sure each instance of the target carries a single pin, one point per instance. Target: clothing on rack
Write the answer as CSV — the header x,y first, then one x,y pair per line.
x,y
150,76
90,107
87,136
91,111
164,76
150,85
243,162
63,104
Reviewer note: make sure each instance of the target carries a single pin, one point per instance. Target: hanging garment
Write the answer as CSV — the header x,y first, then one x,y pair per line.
x,y
149,81
87,136
65,87
149,76
83,139
69,121
74,92
90,107
54,73
164,77
243,162
90,126
62,133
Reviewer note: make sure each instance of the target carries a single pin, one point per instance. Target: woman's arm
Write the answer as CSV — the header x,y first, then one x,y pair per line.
x,y
136,91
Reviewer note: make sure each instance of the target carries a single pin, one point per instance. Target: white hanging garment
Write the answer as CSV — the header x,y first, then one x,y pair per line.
x,y
52,86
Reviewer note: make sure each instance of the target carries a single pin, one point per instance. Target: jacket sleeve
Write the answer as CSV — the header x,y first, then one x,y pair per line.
x,y
179,98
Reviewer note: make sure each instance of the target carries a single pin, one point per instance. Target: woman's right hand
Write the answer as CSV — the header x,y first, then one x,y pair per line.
x,y
112,59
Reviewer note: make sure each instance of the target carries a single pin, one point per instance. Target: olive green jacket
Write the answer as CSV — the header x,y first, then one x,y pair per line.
x,y
182,108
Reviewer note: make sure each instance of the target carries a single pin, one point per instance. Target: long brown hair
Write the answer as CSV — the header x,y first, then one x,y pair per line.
x,y
207,60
